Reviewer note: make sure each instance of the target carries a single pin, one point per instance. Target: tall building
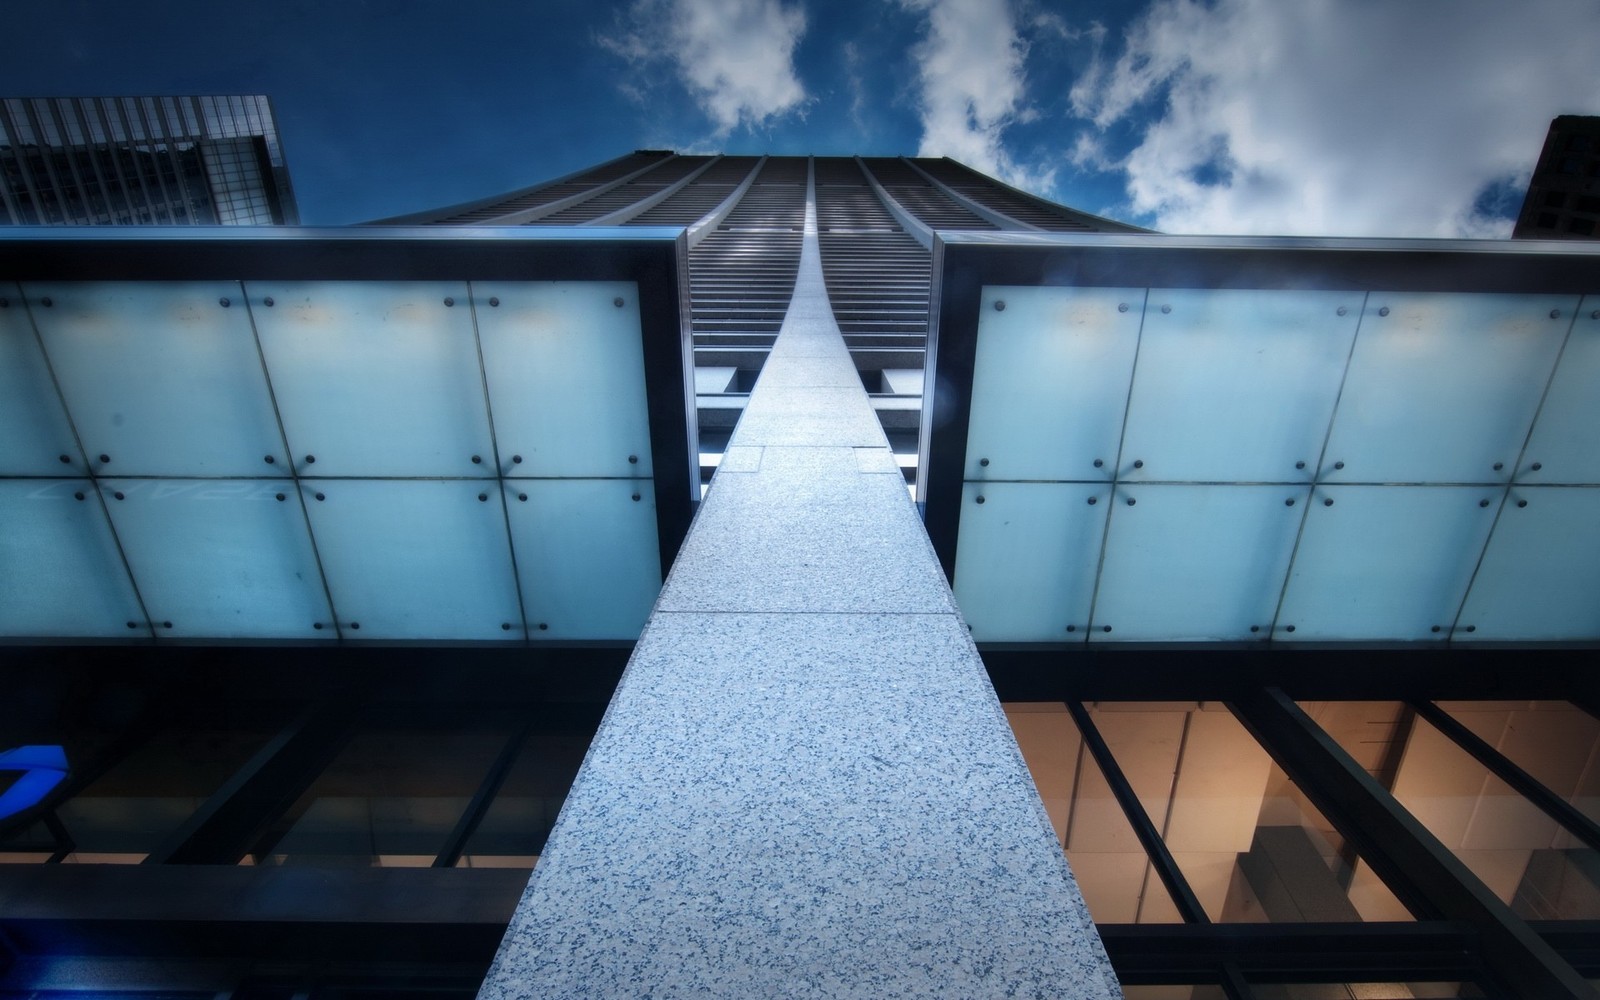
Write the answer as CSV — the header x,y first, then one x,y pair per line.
x,y
121,161
325,554
1563,200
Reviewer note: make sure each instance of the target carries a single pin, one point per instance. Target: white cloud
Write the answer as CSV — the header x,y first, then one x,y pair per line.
x,y
736,57
969,68
1340,117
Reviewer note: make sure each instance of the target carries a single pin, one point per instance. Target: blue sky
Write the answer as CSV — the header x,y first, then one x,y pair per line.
x,y
1331,117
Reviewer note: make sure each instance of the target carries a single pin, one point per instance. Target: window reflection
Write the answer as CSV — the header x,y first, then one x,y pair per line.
x,y
1526,858
1249,843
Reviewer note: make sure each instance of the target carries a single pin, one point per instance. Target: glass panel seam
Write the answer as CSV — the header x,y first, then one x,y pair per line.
x,y
1316,471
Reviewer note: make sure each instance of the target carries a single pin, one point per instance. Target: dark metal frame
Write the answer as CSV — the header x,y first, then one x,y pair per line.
x,y
654,258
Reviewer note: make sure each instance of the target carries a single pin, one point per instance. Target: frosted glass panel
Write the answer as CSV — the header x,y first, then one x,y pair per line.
x,y
60,574
34,433
1442,387
1026,559
220,558
565,366
376,378
1540,577
1236,386
1196,562
416,559
1050,381
1385,562
160,377
587,554
1565,445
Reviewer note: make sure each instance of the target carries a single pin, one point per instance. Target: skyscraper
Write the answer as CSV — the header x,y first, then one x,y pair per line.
x,y
1248,534
118,161
1563,199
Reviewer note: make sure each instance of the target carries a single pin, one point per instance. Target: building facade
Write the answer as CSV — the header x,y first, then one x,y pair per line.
x,y
1563,200
1370,771
121,161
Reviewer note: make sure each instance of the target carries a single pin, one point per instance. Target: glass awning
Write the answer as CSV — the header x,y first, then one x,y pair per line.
x,y
1155,439
357,434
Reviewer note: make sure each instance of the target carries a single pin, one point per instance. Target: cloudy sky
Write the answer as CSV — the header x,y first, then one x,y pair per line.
x,y
1330,117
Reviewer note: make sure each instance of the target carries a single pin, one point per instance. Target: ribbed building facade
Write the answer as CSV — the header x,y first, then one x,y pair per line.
x,y
143,161
876,218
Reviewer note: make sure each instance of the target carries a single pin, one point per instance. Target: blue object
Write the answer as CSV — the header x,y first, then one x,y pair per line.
x,y
42,767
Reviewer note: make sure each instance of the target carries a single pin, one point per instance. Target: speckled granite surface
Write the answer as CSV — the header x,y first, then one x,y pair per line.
x,y
804,786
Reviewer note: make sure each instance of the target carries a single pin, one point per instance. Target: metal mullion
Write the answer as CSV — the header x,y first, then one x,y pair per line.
x,y
29,181
9,200
177,161
34,122
152,139
113,152
289,462
1116,471
1516,469
88,467
92,152
134,153
1316,470
455,845
1525,784
65,845
499,469
1155,848
1427,877
52,105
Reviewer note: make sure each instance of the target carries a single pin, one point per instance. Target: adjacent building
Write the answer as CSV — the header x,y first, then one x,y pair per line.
x,y
143,161
1563,200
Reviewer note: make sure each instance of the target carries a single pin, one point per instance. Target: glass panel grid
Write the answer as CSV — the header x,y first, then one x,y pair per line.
x,y
1563,447
587,555
565,368
161,378
35,437
388,386
1186,562
1441,390
1236,385
1443,387
376,378
1385,562
1027,559
1540,576
415,559
1050,382
61,572
220,558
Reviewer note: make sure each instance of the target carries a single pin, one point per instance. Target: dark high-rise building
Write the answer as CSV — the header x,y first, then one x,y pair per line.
x,y
1563,200
119,161
604,589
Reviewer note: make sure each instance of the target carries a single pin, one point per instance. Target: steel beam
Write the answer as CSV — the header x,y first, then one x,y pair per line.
x,y
223,829
1525,784
1426,876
